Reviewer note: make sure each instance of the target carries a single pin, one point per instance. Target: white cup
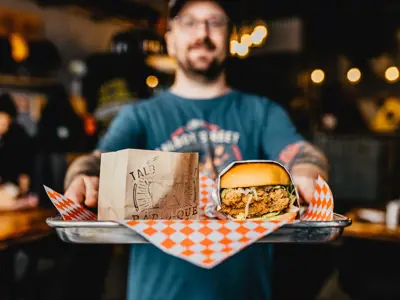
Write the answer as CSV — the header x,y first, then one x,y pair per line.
x,y
393,214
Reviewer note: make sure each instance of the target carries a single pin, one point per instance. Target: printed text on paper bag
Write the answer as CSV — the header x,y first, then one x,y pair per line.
x,y
155,197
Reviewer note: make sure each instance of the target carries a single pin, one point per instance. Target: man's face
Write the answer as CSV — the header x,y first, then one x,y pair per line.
x,y
5,121
198,39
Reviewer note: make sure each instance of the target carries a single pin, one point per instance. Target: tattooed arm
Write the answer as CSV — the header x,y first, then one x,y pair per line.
x,y
305,159
305,162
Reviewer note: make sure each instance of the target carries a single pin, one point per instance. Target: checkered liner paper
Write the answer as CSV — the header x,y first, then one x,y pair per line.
x,y
208,241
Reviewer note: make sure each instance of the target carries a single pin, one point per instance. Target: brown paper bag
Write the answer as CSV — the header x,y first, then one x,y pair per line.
x,y
145,184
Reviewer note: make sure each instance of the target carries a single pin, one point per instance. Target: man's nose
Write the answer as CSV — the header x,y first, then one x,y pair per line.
x,y
202,30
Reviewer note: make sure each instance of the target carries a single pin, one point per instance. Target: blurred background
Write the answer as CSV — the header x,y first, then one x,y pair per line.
x,y
69,65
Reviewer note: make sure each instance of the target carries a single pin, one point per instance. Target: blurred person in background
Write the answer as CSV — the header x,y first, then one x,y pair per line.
x,y
61,131
16,160
201,105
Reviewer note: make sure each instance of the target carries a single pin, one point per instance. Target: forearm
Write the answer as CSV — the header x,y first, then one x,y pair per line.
x,y
305,159
85,165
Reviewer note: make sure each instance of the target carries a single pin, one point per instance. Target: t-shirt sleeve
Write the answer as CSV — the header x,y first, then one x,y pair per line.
x,y
125,131
278,131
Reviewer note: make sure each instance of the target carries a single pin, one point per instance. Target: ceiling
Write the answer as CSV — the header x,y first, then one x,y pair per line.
x,y
356,24
249,8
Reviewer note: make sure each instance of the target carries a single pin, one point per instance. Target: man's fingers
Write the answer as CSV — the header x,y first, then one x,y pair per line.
x,y
305,193
301,198
92,188
305,187
84,190
77,190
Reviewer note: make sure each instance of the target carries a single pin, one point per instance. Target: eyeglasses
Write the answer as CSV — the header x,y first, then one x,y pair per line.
x,y
190,24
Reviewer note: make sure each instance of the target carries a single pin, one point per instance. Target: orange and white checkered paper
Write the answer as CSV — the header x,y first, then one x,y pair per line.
x,y
321,206
205,242
69,210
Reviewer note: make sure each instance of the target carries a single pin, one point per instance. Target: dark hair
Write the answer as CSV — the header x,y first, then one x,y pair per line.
x,y
7,105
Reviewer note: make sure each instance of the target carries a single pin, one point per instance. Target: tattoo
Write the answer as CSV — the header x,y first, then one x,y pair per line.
x,y
303,153
85,165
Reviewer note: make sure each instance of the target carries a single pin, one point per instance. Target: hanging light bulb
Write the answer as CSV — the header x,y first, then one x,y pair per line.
x,y
242,50
317,76
246,39
392,74
259,34
354,75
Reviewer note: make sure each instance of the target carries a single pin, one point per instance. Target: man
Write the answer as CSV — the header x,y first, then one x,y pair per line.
x,y
201,113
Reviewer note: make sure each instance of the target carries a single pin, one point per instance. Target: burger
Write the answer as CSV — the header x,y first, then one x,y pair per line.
x,y
257,191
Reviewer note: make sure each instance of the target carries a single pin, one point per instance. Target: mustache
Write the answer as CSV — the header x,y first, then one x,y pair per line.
x,y
205,43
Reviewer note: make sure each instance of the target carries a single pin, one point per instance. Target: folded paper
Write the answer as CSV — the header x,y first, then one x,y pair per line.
x,y
321,206
69,210
206,242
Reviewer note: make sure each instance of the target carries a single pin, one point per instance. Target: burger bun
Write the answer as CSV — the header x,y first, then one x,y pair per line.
x,y
254,174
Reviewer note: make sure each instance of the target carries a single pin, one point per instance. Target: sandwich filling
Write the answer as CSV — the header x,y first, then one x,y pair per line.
x,y
264,202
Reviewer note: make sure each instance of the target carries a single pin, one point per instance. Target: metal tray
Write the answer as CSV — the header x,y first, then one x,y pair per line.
x,y
103,232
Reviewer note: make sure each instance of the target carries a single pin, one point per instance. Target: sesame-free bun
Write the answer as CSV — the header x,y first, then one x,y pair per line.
x,y
254,174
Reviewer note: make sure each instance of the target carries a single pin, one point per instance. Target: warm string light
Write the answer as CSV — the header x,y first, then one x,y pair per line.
x,y
317,76
392,74
242,45
354,75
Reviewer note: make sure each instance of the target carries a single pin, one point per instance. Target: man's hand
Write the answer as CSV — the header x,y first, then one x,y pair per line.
x,y
82,180
305,187
305,162
84,190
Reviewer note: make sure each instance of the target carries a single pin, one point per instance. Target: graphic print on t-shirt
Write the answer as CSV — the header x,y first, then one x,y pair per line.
x,y
217,147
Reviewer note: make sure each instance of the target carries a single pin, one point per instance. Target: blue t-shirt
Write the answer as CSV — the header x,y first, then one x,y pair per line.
x,y
231,127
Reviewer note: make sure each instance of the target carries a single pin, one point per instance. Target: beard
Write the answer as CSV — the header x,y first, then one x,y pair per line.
x,y
212,72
